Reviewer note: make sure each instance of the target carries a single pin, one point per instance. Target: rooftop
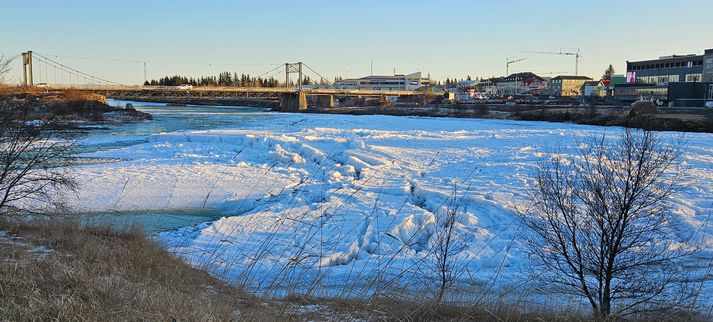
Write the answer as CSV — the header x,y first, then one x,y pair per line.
x,y
573,77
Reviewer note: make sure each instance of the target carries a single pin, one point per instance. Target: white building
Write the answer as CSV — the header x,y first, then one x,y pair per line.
x,y
520,83
408,82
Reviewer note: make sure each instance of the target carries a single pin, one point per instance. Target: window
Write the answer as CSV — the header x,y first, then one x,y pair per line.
x,y
710,91
693,77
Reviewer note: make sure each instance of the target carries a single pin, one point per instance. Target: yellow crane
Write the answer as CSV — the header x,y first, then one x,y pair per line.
x,y
561,52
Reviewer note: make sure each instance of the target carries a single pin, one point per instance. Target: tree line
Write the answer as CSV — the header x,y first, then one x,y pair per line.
x,y
227,79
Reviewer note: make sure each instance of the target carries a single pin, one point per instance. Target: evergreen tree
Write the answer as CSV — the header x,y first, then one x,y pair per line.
x,y
608,73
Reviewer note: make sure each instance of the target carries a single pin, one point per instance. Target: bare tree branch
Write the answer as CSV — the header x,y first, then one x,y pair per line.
x,y
32,153
601,227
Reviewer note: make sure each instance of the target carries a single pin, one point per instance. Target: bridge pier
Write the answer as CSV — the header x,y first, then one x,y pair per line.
x,y
325,101
293,102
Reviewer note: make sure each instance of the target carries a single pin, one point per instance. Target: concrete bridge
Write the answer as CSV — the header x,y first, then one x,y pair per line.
x,y
291,99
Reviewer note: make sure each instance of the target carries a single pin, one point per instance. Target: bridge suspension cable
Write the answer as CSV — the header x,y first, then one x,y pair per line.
x,y
64,68
137,60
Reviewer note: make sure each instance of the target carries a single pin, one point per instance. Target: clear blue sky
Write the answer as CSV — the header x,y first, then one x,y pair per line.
x,y
444,38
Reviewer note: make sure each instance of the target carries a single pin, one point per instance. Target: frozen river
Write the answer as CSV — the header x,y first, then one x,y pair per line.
x,y
337,204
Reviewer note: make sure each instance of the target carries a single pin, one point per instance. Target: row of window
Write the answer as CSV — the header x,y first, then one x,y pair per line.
x,y
663,79
382,83
641,91
668,65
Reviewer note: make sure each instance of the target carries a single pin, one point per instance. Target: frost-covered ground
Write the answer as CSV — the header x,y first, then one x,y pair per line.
x,y
346,205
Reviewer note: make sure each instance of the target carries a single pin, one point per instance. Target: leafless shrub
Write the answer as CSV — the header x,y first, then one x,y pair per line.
x,y
446,243
4,67
601,227
31,152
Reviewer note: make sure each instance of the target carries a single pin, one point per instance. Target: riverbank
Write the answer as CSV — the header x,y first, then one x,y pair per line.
x,y
246,102
65,106
58,270
665,120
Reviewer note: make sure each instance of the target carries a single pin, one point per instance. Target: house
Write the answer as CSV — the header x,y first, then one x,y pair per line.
x,y
591,88
597,88
520,83
565,86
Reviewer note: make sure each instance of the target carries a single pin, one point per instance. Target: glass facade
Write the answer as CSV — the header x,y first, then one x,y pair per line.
x,y
660,79
694,77
665,65
633,93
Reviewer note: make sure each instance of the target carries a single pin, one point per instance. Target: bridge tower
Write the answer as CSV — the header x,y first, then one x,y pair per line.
x,y
293,102
27,64
293,68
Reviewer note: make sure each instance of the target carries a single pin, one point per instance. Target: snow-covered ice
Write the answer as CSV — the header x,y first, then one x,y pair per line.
x,y
351,202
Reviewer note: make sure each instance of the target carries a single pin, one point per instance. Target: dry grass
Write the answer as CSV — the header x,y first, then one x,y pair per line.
x,y
100,274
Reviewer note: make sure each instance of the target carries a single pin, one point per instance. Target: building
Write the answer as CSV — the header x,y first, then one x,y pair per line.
x,y
408,82
593,88
564,86
708,66
666,69
681,80
689,94
519,84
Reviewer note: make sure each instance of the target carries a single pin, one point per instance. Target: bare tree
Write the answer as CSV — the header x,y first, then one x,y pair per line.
x,y
446,243
4,67
601,227
32,153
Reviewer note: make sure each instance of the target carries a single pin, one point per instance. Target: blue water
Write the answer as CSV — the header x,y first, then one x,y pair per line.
x,y
166,118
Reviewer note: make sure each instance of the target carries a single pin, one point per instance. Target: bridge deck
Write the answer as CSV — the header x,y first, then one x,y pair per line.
x,y
209,89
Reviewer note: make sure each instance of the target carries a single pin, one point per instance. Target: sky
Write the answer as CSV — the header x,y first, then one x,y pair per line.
x,y
446,39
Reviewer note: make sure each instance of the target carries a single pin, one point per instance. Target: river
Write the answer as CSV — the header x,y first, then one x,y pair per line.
x,y
167,118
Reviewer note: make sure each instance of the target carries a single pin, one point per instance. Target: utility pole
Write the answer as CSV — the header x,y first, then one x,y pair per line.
x,y
371,71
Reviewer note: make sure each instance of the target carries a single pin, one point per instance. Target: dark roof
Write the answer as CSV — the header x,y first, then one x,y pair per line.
x,y
591,83
517,77
573,77
521,76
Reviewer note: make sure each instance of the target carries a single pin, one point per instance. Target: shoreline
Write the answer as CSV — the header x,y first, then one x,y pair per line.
x,y
667,120
684,120
66,106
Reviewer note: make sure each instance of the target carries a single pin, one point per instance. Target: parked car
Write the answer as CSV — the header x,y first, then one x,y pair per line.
x,y
709,104
185,86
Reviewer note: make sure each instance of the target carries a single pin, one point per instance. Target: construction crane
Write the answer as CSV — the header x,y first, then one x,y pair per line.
x,y
509,61
561,52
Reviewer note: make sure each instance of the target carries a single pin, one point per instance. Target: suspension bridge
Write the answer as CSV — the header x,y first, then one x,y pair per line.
x,y
38,69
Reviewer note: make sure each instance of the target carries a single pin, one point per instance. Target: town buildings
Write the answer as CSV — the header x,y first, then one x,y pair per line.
x,y
409,82
565,86
681,80
520,84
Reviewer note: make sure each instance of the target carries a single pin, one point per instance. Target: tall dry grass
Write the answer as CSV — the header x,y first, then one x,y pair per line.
x,y
101,274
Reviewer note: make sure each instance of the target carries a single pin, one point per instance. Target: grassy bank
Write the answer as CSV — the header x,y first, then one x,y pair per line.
x,y
58,270
31,103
